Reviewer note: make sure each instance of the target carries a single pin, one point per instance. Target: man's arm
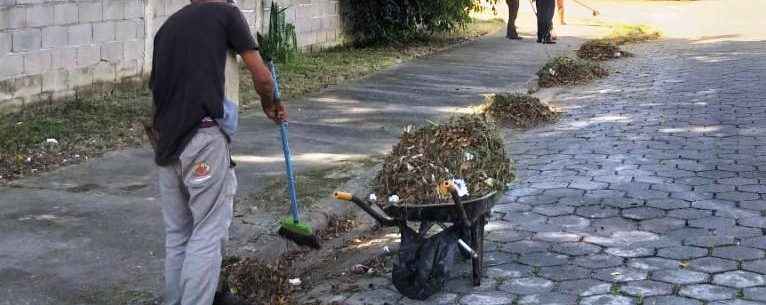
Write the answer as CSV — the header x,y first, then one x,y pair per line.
x,y
264,85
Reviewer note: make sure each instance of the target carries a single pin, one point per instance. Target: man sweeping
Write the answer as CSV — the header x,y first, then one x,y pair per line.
x,y
196,177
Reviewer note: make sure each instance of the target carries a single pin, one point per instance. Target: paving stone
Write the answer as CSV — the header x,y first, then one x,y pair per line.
x,y
607,299
548,299
712,222
736,302
524,218
685,232
613,224
579,201
755,242
661,225
739,279
605,194
512,207
563,192
463,284
710,241
584,288
495,258
756,222
646,288
527,285
689,213
379,296
557,237
713,204
597,211
662,242
564,273
489,298
691,196
753,188
525,247
553,210
758,266
587,185
737,196
570,222
505,236
620,274
694,181
714,188
707,292
755,205
683,252
738,253
755,294
543,259
598,261
643,213
537,200
737,213
623,203
630,252
680,276
712,264
507,271
670,300
437,299
575,248
654,263
739,232
648,194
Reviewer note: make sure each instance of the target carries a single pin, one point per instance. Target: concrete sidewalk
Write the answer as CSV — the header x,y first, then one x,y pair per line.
x,y
93,234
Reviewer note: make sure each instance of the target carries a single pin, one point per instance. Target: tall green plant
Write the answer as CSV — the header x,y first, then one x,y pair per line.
x,y
280,43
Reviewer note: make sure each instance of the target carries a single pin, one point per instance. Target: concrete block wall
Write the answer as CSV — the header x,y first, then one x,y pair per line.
x,y
317,22
53,49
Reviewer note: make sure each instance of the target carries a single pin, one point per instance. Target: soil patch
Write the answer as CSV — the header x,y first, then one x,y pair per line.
x,y
519,110
565,70
467,147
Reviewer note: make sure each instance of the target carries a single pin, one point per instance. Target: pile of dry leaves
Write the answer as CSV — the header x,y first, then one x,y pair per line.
x,y
600,49
519,110
466,147
258,283
565,70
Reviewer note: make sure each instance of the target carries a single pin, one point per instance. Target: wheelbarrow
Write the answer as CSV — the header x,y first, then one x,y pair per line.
x,y
466,217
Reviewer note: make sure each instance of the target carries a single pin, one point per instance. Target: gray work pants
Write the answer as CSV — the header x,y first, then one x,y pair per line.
x,y
197,195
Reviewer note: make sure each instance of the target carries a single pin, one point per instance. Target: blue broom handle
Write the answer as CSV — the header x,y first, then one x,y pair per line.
x,y
290,176
286,150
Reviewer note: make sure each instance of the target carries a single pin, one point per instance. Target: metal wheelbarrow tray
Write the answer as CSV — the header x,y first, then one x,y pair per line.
x,y
471,215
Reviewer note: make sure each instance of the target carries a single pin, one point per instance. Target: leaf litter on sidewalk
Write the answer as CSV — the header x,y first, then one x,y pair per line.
x,y
564,70
519,110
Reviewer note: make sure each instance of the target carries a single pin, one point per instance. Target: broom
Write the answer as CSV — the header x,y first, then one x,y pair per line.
x,y
291,227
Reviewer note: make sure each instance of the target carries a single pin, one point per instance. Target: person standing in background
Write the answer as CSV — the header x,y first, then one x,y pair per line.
x,y
561,10
545,11
513,12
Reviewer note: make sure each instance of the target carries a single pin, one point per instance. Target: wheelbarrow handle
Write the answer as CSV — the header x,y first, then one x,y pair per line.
x,y
380,218
456,198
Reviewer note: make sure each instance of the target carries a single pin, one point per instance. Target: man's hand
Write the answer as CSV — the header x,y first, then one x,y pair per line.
x,y
275,111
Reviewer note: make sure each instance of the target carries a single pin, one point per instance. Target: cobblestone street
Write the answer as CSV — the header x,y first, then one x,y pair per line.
x,y
651,190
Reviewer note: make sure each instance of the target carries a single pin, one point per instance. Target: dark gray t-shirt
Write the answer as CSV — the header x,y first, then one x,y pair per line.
x,y
188,65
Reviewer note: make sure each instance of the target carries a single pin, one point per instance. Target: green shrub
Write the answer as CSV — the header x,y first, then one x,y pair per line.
x,y
396,21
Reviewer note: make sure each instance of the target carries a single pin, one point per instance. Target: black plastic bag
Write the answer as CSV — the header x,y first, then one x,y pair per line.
x,y
424,263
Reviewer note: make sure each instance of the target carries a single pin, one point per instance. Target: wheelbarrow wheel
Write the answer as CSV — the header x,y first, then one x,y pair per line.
x,y
477,243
